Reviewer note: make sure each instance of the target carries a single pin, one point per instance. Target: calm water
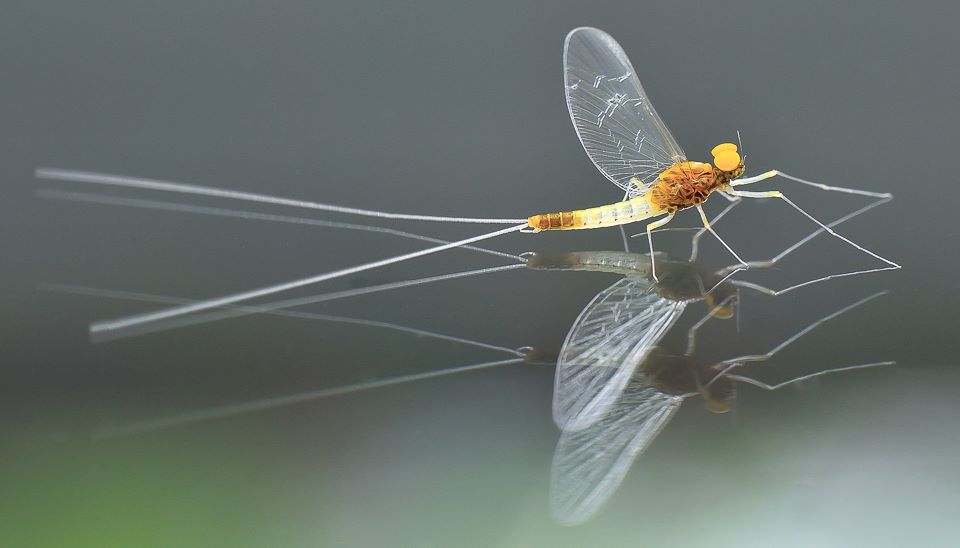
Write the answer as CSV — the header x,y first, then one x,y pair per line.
x,y
454,110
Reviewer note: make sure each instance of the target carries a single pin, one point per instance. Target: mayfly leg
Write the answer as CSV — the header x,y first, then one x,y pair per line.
x,y
774,173
884,198
706,225
773,260
623,231
726,366
767,263
695,241
650,228
770,262
780,195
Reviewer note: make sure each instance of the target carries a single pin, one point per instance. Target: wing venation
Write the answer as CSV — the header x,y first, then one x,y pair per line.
x,y
615,121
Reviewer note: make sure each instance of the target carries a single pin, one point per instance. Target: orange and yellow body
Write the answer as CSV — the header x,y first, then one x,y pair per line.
x,y
619,213
682,185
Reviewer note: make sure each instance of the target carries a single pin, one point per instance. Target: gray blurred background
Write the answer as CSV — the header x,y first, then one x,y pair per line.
x,y
454,109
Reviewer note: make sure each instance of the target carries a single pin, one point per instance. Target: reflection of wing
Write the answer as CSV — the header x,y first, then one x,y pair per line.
x,y
590,464
614,119
612,335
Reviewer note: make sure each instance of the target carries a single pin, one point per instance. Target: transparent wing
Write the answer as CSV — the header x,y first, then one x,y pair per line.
x,y
614,119
610,338
589,464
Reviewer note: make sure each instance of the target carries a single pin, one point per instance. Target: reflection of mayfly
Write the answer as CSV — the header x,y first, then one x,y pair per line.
x,y
619,327
614,334
621,133
615,389
610,405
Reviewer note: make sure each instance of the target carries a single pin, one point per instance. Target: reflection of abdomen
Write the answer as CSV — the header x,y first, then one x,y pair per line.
x,y
619,213
615,262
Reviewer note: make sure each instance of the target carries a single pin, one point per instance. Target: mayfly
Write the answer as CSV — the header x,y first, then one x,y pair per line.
x,y
680,280
629,143
621,133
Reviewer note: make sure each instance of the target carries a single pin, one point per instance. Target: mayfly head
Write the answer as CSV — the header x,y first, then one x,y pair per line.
x,y
727,161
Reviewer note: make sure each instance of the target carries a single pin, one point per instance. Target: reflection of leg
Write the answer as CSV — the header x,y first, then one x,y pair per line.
x,y
727,365
706,225
692,332
729,198
765,386
695,242
776,292
650,228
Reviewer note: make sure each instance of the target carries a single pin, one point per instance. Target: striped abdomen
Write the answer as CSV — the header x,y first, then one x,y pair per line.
x,y
619,213
614,262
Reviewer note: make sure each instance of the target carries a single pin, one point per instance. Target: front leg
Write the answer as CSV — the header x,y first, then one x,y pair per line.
x,y
773,173
778,194
767,263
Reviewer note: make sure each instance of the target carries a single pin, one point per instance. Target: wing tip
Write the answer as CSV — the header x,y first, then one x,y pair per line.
x,y
602,34
584,29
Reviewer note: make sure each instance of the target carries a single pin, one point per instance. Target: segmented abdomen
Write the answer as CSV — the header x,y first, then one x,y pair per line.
x,y
595,217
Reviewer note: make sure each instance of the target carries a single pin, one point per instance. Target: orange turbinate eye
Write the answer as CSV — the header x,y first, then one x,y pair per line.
x,y
727,160
722,147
